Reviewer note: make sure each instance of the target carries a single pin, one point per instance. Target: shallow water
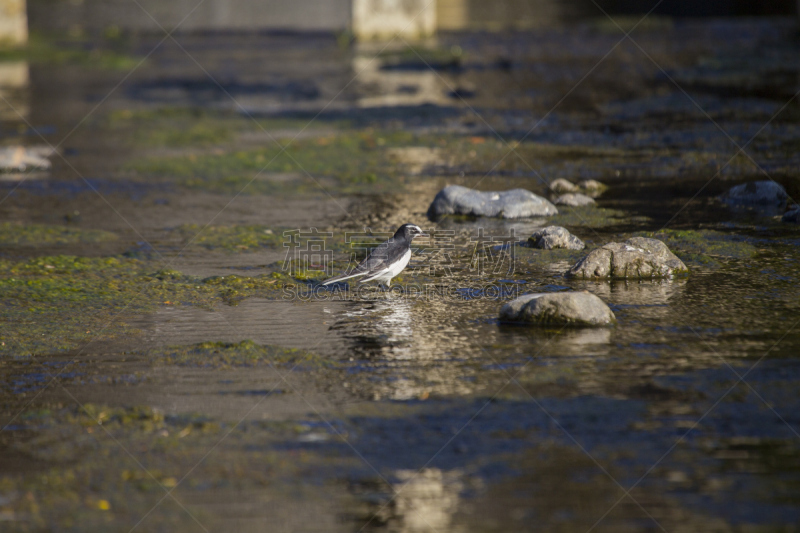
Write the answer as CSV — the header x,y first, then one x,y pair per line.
x,y
413,410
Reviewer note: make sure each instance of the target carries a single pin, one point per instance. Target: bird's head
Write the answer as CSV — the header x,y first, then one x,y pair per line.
x,y
409,231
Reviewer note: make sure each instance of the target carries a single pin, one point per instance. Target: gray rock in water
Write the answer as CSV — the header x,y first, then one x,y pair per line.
x,y
555,237
793,215
755,194
561,185
574,200
558,309
516,203
635,258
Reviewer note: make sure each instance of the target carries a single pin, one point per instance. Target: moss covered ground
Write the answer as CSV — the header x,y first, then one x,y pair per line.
x,y
12,233
57,303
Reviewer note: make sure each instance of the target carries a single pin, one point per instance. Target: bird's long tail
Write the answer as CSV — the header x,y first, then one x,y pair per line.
x,y
343,277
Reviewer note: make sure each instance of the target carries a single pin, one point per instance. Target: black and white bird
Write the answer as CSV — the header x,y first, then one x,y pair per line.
x,y
387,260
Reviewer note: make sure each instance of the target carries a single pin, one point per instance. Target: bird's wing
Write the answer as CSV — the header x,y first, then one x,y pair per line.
x,y
378,260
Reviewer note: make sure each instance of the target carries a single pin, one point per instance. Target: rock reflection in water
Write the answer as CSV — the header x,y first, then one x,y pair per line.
x,y
379,88
419,502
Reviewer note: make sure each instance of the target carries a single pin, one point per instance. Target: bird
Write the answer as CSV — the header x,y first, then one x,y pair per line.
x,y
387,260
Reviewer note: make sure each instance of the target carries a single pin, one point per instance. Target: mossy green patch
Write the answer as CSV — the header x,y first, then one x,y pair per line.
x,y
56,303
352,160
177,127
704,246
100,467
232,238
596,217
109,53
222,354
43,235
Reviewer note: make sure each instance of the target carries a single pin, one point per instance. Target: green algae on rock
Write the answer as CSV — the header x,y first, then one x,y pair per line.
x,y
41,235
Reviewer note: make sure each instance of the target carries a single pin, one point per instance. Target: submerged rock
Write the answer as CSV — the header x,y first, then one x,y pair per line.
x,y
756,194
592,188
592,185
637,257
516,203
561,185
555,237
793,215
574,200
559,309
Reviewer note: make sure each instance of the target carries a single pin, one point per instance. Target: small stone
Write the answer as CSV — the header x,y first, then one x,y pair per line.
x,y
592,188
515,203
756,194
561,185
558,309
555,237
592,185
637,257
793,215
574,200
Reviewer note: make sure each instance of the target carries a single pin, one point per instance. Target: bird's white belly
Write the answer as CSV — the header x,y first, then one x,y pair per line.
x,y
396,268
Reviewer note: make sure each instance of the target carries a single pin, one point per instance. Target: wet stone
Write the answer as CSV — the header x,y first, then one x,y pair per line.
x,y
561,186
574,200
555,237
766,194
793,215
592,185
559,309
637,257
515,203
592,188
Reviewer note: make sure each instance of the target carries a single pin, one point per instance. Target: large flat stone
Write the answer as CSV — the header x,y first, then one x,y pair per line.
x,y
516,203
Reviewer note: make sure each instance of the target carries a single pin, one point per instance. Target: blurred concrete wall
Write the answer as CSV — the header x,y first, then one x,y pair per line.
x,y
367,18
386,18
251,15
13,21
